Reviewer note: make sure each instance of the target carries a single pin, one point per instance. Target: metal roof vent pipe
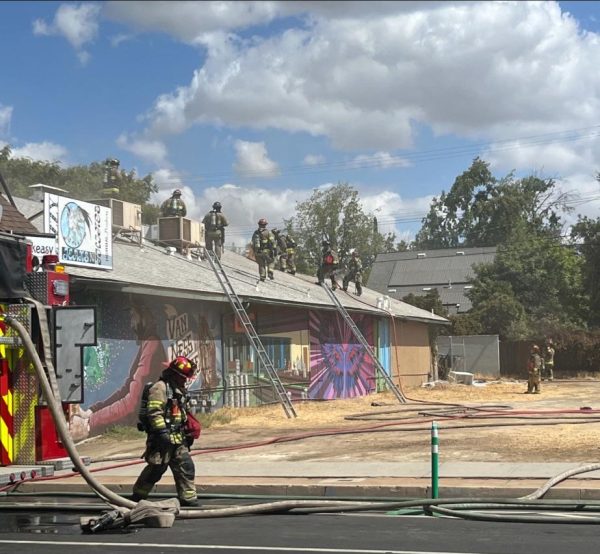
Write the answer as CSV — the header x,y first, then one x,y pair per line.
x,y
421,255
460,253
171,250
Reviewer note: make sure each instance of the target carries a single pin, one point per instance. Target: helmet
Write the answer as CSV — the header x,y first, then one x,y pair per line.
x,y
217,206
535,348
325,243
176,192
275,231
262,222
355,253
183,366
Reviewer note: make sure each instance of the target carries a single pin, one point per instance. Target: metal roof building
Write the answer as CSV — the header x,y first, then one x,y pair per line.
x,y
420,271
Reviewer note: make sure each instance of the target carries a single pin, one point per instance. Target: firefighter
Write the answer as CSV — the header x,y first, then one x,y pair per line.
x,y
167,445
354,273
214,224
265,248
281,255
329,265
173,206
548,356
534,366
290,249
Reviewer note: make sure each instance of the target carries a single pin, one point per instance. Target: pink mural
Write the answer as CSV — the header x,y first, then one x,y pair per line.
x,y
340,367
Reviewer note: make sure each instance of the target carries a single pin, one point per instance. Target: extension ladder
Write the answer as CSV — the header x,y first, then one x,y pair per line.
x,y
350,322
251,333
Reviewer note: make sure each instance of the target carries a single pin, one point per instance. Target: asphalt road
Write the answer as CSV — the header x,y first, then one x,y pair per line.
x,y
290,534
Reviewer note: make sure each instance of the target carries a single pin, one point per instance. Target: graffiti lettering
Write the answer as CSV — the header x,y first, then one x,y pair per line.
x,y
177,327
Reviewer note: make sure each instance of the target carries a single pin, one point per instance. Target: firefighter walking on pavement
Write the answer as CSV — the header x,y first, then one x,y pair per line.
x,y
168,443
214,226
354,273
265,248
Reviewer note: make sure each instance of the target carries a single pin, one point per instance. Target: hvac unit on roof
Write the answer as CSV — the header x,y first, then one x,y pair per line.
x,y
125,215
180,229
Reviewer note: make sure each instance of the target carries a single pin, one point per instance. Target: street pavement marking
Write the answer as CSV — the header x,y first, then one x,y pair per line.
x,y
172,546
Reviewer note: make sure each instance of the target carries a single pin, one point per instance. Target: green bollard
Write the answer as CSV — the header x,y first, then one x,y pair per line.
x,y
434,460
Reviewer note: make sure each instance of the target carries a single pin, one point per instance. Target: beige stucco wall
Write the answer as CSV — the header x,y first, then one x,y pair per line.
x,y
411,354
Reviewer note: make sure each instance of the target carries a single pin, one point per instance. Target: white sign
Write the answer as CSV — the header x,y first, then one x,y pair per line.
x,y
83,231
42,246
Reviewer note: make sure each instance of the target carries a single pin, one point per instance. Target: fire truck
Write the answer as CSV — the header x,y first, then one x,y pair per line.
x,y
37,296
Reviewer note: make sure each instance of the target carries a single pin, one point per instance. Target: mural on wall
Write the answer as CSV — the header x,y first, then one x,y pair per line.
x,y
134,345
340,367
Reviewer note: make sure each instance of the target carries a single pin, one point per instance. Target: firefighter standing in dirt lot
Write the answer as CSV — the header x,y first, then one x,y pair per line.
x,y
214,225
534,366
354,273
167,445
548,356
264,246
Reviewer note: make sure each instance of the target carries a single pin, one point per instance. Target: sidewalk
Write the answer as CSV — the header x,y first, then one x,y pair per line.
x,y
359,479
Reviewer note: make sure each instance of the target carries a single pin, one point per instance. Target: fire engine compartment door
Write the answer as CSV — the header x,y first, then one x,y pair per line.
x,y
13,254
74,328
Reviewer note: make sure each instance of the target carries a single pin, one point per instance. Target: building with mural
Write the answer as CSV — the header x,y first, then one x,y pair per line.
x,y
153,303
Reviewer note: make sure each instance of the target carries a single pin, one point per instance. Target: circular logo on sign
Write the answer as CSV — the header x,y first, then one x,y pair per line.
x,y
73,223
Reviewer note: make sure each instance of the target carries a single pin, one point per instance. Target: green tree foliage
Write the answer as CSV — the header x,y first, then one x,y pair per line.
x,y
480,210
335,214
534,283
587,232
83,182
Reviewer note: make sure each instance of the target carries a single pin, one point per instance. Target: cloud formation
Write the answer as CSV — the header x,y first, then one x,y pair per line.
x,y
76,23
5,119
42,152
252,160
152,151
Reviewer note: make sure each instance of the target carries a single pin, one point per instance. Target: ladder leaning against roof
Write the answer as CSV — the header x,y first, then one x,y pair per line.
x,y
350,322
251,333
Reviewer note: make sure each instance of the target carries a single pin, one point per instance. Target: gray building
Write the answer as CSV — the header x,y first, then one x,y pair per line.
x,y
398,274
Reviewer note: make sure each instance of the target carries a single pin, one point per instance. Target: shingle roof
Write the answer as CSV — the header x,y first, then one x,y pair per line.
x,y
13,221
150,269
448,270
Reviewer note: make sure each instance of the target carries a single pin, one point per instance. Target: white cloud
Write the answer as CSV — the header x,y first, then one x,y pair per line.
x,y
476,69
153,151
252,160
5,119
380,159
313,159
42,151
77,23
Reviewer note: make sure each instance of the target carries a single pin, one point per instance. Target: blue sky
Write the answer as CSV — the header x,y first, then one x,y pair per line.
x,y
256,104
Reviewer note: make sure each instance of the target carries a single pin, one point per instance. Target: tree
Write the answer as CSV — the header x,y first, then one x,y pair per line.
x,y
481,210
83,182
430,302
534,282
335,214
588,231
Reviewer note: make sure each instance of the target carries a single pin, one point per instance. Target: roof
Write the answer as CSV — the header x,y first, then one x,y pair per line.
x,y
13,221
149,269
418,271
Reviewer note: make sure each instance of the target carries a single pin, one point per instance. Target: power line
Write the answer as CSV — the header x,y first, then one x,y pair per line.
x,y
372,161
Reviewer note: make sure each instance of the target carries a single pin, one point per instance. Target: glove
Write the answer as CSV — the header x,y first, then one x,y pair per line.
x,y
162,439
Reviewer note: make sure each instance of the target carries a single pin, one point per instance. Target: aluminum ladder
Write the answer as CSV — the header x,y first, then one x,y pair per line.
x,y
251,333
350,322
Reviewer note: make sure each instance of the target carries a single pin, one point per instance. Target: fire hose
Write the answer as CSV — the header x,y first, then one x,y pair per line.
x,y
460,507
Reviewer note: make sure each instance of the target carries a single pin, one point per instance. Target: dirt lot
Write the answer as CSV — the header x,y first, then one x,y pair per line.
x,y
513,427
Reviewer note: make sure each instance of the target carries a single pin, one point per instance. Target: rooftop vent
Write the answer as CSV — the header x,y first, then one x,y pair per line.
x,y
421,255
460,253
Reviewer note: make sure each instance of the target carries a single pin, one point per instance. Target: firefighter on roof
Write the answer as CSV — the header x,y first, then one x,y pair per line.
x,y
265,248
329,265
173,206
214,224
168,440
354,273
